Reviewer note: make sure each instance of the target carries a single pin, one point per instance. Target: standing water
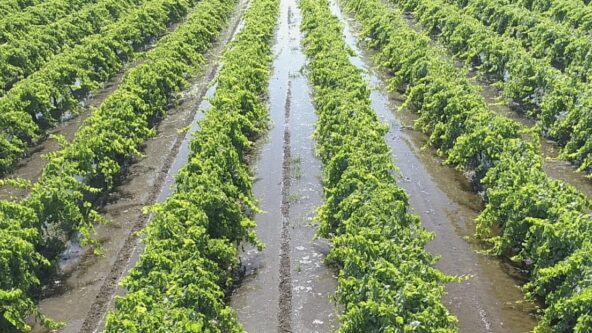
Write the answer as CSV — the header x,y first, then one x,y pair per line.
x,y
489,300
287,287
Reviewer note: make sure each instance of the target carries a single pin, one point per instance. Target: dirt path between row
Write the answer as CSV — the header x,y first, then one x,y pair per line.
x,y
287,287
81,295
489,301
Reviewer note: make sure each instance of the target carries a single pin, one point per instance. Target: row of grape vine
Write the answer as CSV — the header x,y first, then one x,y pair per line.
x,y
13,6
386,281
36,103
540,223
576,13
566,48
22,56
559,101
191,252
19,22
76,177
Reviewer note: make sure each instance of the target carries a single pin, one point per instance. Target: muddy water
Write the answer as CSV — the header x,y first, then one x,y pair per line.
x,y
489,300
312,282
81,295
287,287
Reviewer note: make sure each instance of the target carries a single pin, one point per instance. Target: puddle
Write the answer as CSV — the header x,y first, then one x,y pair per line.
x,y
287,287
489,301
81,296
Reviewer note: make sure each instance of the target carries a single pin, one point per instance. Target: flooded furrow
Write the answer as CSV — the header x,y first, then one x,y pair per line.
x,y
86,285
287,287
313,283
553,165
490,299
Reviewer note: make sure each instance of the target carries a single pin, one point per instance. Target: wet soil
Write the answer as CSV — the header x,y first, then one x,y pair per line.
x,y
287,287
84,290
489,299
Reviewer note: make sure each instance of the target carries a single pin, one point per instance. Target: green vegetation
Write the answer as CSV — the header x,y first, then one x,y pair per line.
x,y
26,53
540,223
565,48
61,202
559,101
55,54
8,7
191,242
38,102
386,280
575,13
19,22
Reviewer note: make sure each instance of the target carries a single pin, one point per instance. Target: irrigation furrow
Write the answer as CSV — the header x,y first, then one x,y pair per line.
x,y
285,283
287,287
313,283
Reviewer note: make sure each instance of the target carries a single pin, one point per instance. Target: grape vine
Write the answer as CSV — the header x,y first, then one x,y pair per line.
x,y
386,281
540,223
179,283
